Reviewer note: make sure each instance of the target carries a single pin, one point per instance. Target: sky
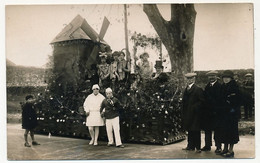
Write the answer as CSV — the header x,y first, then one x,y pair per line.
x,y
223,36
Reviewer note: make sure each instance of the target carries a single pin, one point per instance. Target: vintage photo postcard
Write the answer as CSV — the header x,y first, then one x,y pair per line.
x,y
133,81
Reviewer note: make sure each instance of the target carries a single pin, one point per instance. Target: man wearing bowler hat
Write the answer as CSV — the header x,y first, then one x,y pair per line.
x,y
193,100
209,114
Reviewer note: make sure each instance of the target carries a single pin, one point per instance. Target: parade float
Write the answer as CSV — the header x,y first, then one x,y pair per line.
x,y
150,110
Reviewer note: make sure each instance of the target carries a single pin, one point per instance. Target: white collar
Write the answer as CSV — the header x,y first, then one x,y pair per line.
x,y
190,85
213,83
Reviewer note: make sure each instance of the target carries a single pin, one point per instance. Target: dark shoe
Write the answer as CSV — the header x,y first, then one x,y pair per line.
x,y
206,148
229,154
110,145
223,152
35,143
188,149
120,146
198,151
27,145
218,151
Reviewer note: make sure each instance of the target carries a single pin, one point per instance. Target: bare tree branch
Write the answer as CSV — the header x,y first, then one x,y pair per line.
x,y
156,19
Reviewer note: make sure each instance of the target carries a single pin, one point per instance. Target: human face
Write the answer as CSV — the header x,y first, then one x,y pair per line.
x,y
115,58
95,91
31,100
226,80
190,80
248,78
212,78
109,94
103,60
145,58
236,77
121,57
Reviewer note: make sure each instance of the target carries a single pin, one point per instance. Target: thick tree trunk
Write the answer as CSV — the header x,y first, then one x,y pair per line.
x,y
177,34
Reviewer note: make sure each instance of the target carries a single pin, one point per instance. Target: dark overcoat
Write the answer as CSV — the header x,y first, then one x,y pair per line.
x,y
212,108
247,93
29,117
230,103
193,101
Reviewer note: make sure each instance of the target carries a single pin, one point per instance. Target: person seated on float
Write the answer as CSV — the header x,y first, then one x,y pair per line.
x,y
159,75
145,67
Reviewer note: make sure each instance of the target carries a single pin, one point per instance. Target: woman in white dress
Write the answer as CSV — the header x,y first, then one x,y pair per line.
x,y
92,106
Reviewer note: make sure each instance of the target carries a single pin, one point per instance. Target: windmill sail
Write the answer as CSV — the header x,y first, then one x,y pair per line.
x,y
101,35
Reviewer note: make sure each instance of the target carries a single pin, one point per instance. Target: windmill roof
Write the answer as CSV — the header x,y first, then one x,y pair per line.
x,y
78,28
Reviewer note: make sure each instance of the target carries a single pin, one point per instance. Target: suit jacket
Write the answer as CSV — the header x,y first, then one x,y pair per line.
x,y
193,100
212,107
112,107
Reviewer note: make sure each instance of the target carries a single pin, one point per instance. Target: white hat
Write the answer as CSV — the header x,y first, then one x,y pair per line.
x,y
213,72
190,75
95,86
248,74
109,90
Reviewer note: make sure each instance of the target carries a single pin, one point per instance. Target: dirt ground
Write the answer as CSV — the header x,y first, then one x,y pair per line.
x,y
61,148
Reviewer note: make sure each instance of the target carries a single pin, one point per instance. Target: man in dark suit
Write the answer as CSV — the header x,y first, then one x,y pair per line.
x,y
193,100
159,75
212,96
248,95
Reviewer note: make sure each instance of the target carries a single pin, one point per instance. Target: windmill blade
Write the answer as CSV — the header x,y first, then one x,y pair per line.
x,y
104,28
95,38
92,57
89,31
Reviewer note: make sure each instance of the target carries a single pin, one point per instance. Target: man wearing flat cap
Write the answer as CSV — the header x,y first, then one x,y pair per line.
x,y
248,95
211,110
193,100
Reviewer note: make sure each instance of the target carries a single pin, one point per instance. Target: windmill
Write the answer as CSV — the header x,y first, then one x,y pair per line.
x,y
97,39
79,29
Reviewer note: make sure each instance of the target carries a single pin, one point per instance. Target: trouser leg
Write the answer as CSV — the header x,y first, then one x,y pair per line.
x,y
109,129
217,138
190,140
246,111
116,128
208,138
250,109
197,139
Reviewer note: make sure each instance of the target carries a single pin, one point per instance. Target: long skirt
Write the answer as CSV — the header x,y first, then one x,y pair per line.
x,y
229,133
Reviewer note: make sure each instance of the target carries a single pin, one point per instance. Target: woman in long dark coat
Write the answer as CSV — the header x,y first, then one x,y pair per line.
x,y
230,99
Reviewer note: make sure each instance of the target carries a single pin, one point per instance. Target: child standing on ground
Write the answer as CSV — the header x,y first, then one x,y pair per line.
x,y
29,120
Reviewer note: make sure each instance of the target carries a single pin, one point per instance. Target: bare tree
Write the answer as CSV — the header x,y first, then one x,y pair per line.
x,y
176,35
